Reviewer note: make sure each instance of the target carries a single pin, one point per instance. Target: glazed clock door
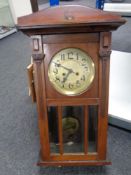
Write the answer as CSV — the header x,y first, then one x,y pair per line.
x,y
73,132
73,104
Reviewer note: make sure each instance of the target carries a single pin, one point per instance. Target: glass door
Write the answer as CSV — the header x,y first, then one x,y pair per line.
x,y
73,131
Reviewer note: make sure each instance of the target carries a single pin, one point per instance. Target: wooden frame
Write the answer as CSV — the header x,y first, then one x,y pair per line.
x,y
53,98
31,86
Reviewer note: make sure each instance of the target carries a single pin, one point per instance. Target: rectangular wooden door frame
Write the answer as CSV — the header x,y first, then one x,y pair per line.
x,y
85,155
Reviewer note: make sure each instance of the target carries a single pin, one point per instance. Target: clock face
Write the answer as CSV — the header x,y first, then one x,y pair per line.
x,y
71,71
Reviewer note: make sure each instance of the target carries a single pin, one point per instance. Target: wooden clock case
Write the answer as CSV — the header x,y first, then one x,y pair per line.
x,y
52,30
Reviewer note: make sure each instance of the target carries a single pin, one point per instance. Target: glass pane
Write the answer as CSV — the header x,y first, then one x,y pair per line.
x,y
73,129
92,128
53,129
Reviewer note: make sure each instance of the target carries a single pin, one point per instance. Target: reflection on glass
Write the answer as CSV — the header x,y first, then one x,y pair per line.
x,y
53,129
73,130
92,128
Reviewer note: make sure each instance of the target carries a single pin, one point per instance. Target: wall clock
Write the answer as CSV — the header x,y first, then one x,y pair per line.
x,y
71,71
71,56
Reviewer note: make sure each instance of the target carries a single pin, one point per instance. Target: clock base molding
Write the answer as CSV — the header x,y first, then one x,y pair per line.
x,y
59,163
74,163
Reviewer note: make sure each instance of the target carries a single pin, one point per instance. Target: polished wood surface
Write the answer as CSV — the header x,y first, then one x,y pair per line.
x,y
31,86
52,30
69,19
71,38
73,163
86,119
60,129
76,101
69,15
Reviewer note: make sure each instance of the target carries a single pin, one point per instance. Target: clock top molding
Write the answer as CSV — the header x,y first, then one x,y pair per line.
x,y
69,19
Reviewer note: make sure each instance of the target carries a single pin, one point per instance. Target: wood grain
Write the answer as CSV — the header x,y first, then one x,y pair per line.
x,y
86,129
68,15
69,19
60,129
30,73
74,163
73,101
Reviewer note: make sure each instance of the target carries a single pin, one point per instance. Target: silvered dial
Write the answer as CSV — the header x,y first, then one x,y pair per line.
x,y
71,71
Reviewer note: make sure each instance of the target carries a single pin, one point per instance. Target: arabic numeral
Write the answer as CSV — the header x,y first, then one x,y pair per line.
x,y
57,79
86,68
70,55
83,78
55,71
62,85
83,59
77,56
70,86
62,57
78,83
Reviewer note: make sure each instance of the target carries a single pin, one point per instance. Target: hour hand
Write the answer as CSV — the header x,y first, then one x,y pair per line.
x,y
68,69
59,65
65,78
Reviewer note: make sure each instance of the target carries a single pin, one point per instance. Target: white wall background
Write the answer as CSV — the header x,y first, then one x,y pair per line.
x,y
20,8
120,85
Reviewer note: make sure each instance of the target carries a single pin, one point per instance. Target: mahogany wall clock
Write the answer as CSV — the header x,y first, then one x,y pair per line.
x,y
71,48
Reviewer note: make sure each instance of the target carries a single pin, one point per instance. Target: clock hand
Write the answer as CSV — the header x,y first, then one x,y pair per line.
x,y
65,78
70,70
59,65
